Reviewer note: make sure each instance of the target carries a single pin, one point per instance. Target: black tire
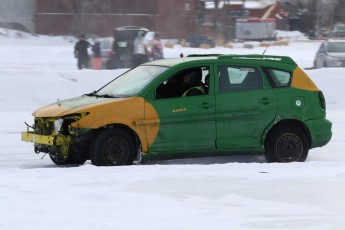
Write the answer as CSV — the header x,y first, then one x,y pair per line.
x,y
69,161
286,144
113,147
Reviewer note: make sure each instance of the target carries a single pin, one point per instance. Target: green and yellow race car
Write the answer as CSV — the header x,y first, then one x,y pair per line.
x,y
199,105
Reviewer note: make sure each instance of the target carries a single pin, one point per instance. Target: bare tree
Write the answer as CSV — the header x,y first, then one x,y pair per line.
x,y
215,16
322,13
339,12
81,9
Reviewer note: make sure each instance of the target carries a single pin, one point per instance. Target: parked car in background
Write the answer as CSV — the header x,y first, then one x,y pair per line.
x,y
118,53
339,30
200,105
330,54
197,40
123,45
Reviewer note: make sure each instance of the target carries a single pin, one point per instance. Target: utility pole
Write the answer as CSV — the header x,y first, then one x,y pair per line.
x,y
200,14
332,13
318,15
243,8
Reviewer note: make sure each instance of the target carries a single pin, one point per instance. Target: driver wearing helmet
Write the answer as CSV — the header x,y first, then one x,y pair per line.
x,y
192,84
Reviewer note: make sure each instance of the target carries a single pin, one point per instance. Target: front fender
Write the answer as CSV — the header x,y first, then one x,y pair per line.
x,y
135,113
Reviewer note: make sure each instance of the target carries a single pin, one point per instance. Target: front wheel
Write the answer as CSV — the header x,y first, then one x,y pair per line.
x,y
286,145
113,147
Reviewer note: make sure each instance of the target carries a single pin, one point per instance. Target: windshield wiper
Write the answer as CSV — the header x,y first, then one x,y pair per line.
x,y
106,96
91,94
94,94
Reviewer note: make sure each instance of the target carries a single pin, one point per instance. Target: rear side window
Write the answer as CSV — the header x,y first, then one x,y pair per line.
x,y
238,78
279,78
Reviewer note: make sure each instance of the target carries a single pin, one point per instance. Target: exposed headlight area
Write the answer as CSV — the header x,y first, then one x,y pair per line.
x,y
53,135
44,125
56,125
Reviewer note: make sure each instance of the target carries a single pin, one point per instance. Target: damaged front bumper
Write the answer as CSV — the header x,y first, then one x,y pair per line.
x,y
53,135
55,144
37,138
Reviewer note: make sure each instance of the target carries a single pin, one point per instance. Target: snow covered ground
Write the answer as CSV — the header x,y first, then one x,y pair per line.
x,y
236,192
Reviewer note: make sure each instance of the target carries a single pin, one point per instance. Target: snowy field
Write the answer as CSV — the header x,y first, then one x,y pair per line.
x,y
236,192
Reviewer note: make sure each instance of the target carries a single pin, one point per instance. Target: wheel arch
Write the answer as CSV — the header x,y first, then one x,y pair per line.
x,y
123,127
114,144
290,123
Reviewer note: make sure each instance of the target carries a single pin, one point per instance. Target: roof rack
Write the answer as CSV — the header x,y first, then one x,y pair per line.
x,y
258,57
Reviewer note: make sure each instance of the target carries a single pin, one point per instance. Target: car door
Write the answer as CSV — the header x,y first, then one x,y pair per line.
x,y
186,124
245,105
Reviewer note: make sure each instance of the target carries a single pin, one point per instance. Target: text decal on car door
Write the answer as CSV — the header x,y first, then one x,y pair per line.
x,y
179,110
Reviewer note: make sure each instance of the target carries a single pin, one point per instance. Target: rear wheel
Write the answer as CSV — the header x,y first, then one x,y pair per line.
x,y
113,147
286,144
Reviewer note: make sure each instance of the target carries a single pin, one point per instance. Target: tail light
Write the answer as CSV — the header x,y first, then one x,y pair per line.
x,y
322,100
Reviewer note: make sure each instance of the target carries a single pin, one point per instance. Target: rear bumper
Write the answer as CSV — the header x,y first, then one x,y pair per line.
x,y
321,132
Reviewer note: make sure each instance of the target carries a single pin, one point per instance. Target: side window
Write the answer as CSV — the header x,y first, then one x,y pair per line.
x,y
187,82
238,78
280,78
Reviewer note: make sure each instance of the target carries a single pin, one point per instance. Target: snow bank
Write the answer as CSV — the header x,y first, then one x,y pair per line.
x,y
203,193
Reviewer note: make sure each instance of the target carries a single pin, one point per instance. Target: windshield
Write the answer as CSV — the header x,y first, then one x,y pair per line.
x,y
132,82
338,47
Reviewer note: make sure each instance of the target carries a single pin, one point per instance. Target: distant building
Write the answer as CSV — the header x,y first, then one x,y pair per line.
x,y
17,14
172,18
228,11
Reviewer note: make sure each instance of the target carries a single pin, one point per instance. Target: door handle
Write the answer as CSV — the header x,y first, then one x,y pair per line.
x,y
265,101
205,106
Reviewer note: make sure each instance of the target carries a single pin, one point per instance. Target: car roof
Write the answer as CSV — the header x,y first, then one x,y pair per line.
x,y
248,59
175,61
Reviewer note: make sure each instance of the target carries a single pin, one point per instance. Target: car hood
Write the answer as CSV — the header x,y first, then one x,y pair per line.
x,y
74,105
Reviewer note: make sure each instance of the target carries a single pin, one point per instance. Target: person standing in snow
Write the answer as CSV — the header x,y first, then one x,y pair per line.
x,y
96,49
81,53
157,48
140,51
